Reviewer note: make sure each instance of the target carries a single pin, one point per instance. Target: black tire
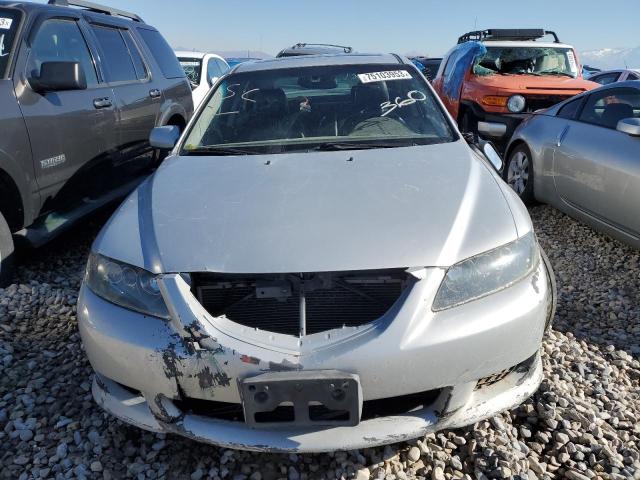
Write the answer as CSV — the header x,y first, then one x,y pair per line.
x,y
518,173
7,253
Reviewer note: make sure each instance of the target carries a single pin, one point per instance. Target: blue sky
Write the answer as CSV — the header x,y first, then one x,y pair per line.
x,y
403,26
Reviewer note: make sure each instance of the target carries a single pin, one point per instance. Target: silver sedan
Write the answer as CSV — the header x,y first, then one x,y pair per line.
x,y
322,263
583,157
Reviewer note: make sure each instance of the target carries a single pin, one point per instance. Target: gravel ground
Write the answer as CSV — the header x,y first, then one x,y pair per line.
x,y
582,423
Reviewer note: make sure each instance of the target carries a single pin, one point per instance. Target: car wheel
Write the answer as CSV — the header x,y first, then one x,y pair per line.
x,y
518,173
7,253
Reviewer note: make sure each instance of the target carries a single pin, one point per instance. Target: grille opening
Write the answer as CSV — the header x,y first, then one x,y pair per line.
x,y
538,102
301,304
283,413
370,408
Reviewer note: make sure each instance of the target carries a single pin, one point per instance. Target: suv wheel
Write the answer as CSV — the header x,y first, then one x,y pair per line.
x,y
6,253
518,173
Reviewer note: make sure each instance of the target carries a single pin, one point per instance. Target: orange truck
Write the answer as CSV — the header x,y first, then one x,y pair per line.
x,y
492,79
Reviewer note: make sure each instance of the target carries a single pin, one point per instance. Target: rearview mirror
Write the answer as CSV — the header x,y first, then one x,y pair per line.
x,y
630,126
58,76
164,138
492,155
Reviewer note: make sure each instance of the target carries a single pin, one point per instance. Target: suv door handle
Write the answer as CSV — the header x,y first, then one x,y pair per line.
x,y
155,93
102,102
561,136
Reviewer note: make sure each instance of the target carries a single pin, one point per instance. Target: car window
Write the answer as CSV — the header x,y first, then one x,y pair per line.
x,y
606,108
116,54
529,60
9,22
192,68
60,40
295,108
570,109
134,51
222,66
606,78
162,52
213,70
633,76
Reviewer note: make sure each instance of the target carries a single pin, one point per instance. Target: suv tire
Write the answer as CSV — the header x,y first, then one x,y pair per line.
x,y
518,173
7,253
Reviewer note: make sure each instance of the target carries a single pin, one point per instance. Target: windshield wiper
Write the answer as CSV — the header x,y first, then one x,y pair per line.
x,y
219,150
337,146
555,72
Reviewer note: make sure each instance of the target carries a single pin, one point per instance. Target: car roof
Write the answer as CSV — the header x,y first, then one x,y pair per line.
x,y
319,60
29,7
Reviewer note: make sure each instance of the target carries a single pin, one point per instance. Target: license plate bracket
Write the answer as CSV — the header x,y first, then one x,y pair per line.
x,y
301,398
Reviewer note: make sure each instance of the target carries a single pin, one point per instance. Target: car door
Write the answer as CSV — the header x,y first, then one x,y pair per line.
x,y
597,168
65,127
137,98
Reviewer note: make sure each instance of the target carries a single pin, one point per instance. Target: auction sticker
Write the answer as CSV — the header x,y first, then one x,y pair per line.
x,y
572,61
384,76
5,23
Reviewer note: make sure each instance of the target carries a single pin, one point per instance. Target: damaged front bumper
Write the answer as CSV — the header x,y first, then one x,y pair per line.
x,y
466,363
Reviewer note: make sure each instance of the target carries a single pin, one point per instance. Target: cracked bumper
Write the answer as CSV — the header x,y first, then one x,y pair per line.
x,y
410,350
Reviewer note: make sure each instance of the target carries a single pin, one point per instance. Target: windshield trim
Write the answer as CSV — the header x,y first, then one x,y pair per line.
x,y
7,74
455,134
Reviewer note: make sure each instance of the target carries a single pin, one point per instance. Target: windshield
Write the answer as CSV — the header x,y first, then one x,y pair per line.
x,y
527,61
9,20
192,69
292,109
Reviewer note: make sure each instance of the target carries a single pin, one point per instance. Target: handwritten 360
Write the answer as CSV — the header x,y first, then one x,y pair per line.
x,y
412,97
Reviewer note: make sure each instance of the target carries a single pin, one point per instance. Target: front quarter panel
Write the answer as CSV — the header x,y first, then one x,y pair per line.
x,y
15,151
539,133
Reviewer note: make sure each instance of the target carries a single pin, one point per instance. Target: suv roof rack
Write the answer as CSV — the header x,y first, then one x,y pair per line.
x,y
521,34
302,45
94,7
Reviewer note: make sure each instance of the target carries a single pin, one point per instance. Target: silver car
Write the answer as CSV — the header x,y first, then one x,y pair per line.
x,y
321,263
582,156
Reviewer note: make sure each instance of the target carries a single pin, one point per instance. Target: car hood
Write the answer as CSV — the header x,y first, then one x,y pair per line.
x,y
549,84
308,212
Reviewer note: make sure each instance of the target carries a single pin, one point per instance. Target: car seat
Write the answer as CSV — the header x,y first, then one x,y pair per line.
x,y
614,112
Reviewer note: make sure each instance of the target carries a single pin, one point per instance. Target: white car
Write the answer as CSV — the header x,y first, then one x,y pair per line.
x,y
202,70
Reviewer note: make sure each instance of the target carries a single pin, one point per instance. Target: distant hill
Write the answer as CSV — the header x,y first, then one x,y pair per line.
x,y
612,58
233,53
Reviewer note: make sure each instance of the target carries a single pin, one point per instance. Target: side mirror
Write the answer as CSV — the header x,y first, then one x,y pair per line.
x,y
492,129
630,126
492,155
212,80
58,76
164,138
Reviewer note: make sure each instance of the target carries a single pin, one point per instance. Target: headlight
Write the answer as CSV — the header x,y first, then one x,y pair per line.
x,y
487,273
516,103
125,285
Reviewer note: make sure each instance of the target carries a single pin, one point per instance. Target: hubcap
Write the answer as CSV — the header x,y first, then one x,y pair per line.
x,y
518,173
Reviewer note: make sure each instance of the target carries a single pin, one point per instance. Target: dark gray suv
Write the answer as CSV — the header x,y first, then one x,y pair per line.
x,y
80,90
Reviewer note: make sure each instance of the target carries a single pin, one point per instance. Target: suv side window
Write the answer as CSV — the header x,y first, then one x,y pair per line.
x,y
60,40
138,63
162,52
116,54
608,107
570,109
